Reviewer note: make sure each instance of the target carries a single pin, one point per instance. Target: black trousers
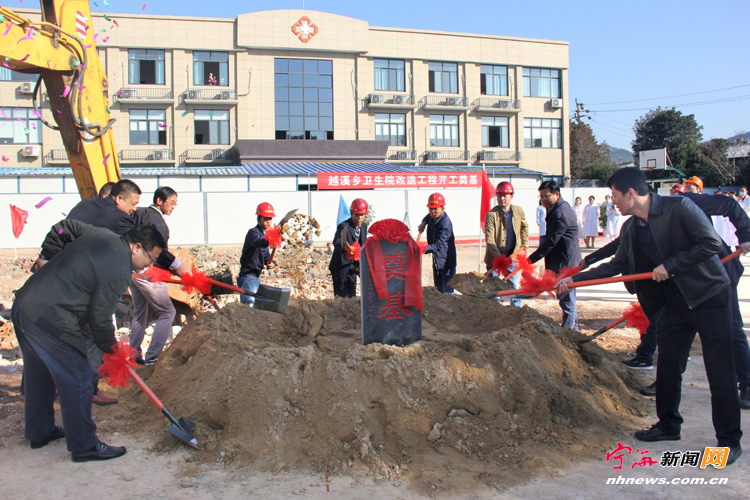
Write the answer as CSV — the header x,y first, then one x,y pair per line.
x,y
346,287
713,321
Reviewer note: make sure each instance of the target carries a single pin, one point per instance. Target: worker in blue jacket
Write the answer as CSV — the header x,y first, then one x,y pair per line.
x,y
344,264
440,242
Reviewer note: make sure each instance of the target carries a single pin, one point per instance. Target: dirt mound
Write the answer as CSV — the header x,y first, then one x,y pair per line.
x,y
475,283
491,393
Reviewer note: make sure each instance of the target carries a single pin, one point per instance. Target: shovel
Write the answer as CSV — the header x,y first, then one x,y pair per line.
x,y
267,298
599,332
181,428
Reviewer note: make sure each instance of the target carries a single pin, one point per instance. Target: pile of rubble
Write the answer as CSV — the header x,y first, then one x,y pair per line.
x,y
301,268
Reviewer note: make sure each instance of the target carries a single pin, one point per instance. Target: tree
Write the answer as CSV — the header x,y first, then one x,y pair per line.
x,y
601,170
711,162
584,150
668,128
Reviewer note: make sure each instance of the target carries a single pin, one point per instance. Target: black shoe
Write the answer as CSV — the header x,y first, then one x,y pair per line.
x,y
56,434
139,361
637,364
101,451
744,397
649,390
734,454
655,433
150,361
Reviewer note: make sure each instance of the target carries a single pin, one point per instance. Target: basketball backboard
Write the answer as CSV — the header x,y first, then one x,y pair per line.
x,y
653,159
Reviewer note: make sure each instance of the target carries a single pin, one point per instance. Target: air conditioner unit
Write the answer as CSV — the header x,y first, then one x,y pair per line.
x,y
403,155
127,94
158,155
226,95
398,99
31,151
434,155
27,88
192,94
556,103
489,155
503,104
376,98
452,101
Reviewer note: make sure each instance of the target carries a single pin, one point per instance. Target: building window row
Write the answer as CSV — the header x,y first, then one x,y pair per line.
x,y
145,67
211,68
444,130
443,78
8,75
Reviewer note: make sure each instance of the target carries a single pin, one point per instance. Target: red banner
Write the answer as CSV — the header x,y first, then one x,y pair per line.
x,y
397,180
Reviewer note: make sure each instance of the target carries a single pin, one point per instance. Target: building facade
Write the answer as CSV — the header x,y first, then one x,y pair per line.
x,y
185,90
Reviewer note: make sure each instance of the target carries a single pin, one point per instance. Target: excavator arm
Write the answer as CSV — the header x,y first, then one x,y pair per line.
x,y
62,51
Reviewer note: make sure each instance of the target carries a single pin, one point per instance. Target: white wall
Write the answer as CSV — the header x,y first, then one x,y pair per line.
x,y
225,216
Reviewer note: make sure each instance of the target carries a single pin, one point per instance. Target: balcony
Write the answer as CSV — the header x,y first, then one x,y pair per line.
x,y
219,156
210,96
157,156
56,157
496,105
446,156
498,156
144,96
401,155
390,101
440,102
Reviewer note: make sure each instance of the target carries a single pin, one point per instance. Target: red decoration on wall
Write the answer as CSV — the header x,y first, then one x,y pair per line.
x,y
304,29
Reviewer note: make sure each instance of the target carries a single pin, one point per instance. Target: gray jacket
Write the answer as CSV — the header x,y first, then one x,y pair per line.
x,y
687,242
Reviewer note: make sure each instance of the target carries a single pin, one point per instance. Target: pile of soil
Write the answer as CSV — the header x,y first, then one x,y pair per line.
x,y
493,392
478,284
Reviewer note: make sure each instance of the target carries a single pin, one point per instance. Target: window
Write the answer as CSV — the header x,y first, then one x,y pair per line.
x,y
20,127
304,99
542,133
494,80
444,77
389,75
390,127
145,67
211,126
148,126
444,130
494,132
211,68
8,75
541,82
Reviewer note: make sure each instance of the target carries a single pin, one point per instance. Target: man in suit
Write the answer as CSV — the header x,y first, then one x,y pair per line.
x,y
560,249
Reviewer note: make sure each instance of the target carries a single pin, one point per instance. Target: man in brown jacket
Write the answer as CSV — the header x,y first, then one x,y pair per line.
x,y
501,241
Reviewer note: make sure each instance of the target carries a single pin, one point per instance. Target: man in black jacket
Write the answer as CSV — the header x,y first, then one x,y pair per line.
x,y
145,292
79,286
112,212
255,255
560,248
344,269
674,237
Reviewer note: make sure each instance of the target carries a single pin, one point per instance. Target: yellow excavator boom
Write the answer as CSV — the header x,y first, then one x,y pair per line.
x,y
61,49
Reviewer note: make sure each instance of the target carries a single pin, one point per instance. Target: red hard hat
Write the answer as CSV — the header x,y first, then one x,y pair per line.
x,y
678,187
359,206
504,187
265,210
436,200
695,180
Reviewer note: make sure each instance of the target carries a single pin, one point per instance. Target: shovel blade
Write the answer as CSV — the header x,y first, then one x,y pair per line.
x,y
184,433
269,298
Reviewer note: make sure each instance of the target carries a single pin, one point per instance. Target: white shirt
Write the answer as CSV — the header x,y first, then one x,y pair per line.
x,y
745,202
